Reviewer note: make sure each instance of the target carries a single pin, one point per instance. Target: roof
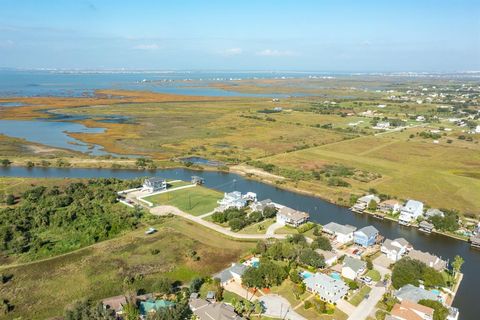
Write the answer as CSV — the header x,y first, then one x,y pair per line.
x,y
326,254
392,244
413,205
154,179
402,241
369,231
391,202
334,227
427,258
426,225
369,198
213,311
326,286
415,294
227,274
293,214
409,310
434,212
116,303
354,264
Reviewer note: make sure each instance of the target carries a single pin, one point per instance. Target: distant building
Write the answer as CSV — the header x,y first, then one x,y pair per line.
x,y
362,202
154,184
353,268
390,205
426,226
429,259
415,294
395,249
366,236
408,310
291,217
382,125
410,211
151,306
328,289
342,233
115,303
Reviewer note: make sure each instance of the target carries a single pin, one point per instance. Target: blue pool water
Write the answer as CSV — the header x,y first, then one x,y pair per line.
x,y
255,264
335,275
306,274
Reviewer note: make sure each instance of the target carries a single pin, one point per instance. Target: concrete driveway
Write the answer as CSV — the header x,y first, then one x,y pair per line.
x,y
276,306
367,306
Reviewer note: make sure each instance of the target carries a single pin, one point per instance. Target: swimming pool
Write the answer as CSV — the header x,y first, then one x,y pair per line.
x,y
306,274
255,264
336,276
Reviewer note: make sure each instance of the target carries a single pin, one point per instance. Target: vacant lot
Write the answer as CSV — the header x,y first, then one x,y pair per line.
x,y
43,289
195,200
440,175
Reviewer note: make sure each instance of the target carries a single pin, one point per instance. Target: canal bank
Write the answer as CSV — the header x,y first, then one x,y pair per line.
x,y
320,211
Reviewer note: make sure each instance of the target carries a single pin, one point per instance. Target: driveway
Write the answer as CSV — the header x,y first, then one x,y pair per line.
x,y
237,288
367,306
276,306
273,227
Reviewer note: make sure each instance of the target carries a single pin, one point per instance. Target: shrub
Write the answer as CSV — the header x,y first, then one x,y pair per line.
x,y
307,304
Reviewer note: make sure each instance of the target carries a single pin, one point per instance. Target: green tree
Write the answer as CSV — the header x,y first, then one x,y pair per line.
x,y
369,264
440,313
163,286
88,310
236,224
457,264
309,257
196,284
5,162
130,311
321,242
372,205
10,199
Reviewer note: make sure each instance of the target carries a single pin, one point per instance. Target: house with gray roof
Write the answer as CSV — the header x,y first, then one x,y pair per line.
x,y
259,206
329,256
342,233
395,249
291,217
367,236
353,268
154,184
432,212
327,288
415,294
232,199
205,310
233,273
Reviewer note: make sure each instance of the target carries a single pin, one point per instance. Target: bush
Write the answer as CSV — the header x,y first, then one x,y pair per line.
x,y
10,199
410,271
440,313
5,162
163,286
321,242
307,305
236,224
305,227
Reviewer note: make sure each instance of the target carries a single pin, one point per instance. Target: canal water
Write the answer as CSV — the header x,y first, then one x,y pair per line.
x,y
320,211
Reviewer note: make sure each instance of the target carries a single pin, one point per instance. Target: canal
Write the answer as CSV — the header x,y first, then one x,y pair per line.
x,y
320,211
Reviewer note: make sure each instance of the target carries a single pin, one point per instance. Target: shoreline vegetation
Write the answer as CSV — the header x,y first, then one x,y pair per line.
x,y
260,176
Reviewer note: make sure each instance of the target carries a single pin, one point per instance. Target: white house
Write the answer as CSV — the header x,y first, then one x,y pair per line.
x,y
232,200
390,205
432,212
353,268
233,273
154,184
342,233
395,249
362,202
382,125
291,217
330,257
329,289
410,211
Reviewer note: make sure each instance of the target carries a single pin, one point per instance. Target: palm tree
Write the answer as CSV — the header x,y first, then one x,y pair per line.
x,y
258,308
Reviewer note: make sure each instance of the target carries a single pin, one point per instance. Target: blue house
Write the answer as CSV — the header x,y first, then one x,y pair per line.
x,y
366,236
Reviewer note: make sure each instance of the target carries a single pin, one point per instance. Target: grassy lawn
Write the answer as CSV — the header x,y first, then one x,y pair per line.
x,y
176,184
374,274
197,200
227,295
258,228
360,295
286,291
43,289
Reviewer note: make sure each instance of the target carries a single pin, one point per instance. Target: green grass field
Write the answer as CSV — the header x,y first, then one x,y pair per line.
x,y
197,200
360,295
43,289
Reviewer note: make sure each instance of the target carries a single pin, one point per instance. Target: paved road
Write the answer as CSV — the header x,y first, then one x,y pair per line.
x,y
367,306
162,210
278,307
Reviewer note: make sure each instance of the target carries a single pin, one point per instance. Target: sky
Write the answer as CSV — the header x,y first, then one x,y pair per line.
x,y
328,35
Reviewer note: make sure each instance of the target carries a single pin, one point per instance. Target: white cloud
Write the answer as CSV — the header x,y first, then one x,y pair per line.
x,y
151,46
232,51
274,53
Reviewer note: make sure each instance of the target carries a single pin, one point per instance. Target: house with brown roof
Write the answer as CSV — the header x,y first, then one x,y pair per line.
x,y
291,217
204,310
390,205
408,310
